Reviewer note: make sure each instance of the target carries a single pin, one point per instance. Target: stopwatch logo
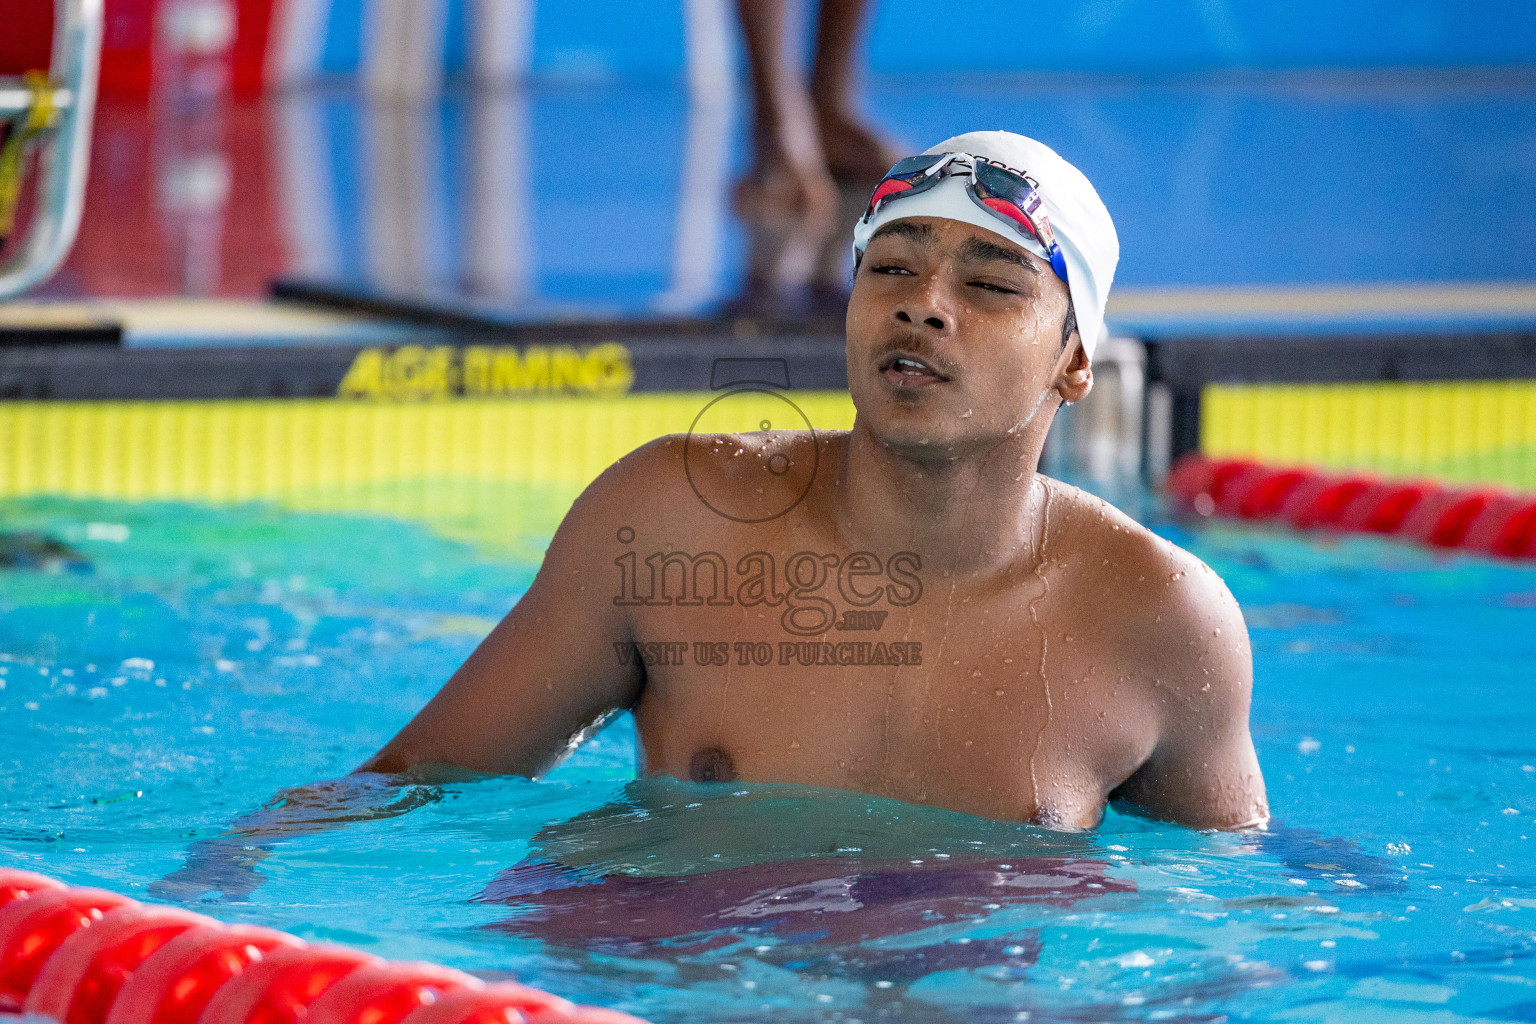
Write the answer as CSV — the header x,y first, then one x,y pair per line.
x,y
751,454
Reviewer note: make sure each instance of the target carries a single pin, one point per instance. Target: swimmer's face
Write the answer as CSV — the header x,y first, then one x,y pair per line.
x,y
954,338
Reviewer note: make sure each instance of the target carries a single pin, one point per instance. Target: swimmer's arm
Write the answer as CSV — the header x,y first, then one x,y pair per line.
x,y
1203,771
550,669
495,715
226,864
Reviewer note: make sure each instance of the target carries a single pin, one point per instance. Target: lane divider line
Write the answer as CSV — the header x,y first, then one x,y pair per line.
x,y
1482,520
88,956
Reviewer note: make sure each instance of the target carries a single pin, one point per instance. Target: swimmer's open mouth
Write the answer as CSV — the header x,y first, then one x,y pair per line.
x,y
907,370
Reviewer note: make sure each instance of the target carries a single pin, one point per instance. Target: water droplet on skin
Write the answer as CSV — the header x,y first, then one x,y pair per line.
x,y
1034,616
1215,632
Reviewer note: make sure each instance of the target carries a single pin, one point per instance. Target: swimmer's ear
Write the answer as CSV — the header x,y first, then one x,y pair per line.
x,y
1075,378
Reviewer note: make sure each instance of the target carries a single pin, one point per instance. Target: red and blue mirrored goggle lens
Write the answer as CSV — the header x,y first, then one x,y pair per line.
x,y
1010,196
908,177
1004,194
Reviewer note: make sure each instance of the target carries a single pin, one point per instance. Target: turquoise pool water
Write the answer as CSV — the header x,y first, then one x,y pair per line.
x,y
200,660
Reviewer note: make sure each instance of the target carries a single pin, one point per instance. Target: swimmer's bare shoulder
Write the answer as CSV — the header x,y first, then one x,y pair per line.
x,y
548,670
1168,620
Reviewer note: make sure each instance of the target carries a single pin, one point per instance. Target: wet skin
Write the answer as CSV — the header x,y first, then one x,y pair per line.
x,y
1068,657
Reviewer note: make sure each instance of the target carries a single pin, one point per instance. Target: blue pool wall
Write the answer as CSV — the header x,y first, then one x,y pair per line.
x,y
644,39
1243,185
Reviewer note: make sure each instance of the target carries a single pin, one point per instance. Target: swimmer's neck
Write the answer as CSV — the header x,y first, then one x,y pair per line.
x,y
971,514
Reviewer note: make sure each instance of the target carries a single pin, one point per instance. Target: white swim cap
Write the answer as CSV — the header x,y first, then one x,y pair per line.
x,y
1081,223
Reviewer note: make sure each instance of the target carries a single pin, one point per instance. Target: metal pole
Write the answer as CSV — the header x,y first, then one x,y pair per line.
x,y
66,149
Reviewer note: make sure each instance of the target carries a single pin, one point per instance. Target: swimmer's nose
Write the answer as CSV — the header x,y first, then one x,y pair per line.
x,y
925,309
929,303
936,322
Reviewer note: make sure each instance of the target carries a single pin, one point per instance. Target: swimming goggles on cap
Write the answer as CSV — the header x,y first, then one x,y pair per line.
x,y
1005,194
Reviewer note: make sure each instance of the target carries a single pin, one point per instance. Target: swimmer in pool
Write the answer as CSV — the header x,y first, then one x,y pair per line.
x,y
908,608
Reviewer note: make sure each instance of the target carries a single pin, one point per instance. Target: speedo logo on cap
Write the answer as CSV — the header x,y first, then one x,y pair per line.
x,y
1030,178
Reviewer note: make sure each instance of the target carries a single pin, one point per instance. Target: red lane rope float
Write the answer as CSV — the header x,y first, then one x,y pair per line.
x,y
17,884
1382,507
1483,520
490,1005
178,984
1442,519
86,956
279,988
1510,531
386,993
82,978
34,926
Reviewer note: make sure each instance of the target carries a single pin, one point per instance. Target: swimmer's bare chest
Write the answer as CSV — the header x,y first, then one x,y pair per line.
x,y
919,689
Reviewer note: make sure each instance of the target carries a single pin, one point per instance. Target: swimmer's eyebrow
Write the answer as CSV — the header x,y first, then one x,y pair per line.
x,y
905,229
979,250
